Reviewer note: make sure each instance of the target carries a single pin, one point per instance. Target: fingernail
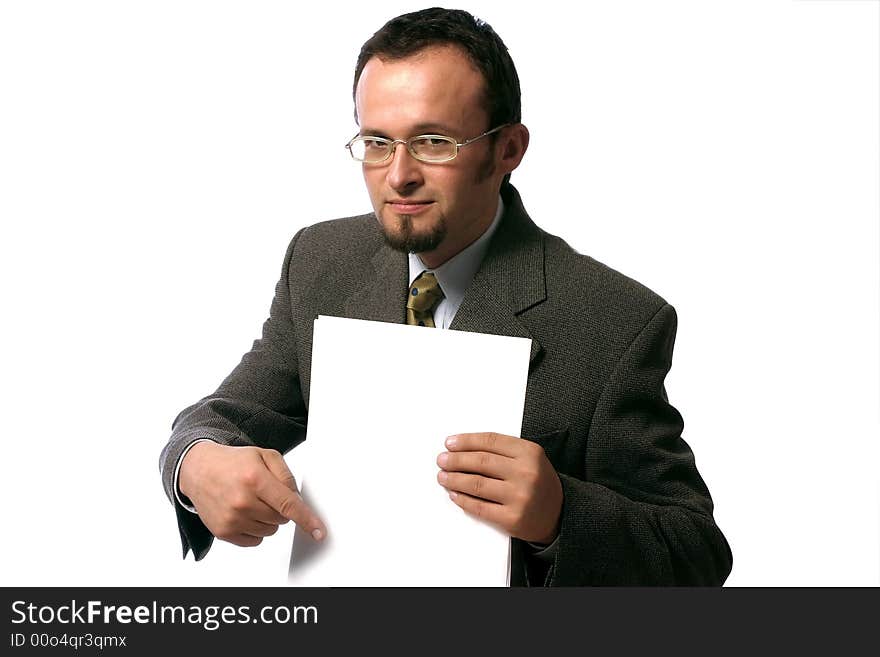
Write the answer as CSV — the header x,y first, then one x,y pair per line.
x,y
452,495
443,459
442,477
317,534
450,442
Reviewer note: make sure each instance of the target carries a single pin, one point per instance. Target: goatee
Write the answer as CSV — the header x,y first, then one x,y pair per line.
x,y
403,238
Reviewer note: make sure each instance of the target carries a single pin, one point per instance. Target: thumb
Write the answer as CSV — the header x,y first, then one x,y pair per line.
x,y
278,467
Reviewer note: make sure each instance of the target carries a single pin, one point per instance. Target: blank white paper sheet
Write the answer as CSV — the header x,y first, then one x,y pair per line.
x,y
383,399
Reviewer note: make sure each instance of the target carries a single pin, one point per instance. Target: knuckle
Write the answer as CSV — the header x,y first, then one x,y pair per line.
x,y
532,477
238,502
485,459
250,477
249,453
528,475
477,486
287,506
520,500
229,522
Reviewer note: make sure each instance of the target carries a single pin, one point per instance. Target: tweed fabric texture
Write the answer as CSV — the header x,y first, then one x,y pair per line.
x,y
635,509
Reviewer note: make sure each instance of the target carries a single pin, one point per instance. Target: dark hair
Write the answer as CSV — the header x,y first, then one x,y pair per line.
x,y
410,33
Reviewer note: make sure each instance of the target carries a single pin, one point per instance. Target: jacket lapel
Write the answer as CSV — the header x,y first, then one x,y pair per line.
x,y
381,297
510,278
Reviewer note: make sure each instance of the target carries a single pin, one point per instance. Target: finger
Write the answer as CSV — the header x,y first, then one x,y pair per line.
x,y
262,512
247,507
497,443
490,512
484,463
244,540
278,467
259,529
484,488
290,505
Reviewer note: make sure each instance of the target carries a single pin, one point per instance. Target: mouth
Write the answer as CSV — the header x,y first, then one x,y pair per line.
x,y
409,206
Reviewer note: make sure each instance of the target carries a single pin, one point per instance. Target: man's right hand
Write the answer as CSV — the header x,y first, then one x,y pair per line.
x,y
242,494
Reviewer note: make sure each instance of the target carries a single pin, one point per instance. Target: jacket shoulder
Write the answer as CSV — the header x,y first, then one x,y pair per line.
x,y
339,239
598,288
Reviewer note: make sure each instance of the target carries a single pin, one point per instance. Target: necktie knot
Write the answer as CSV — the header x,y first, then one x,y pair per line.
x,y
424,295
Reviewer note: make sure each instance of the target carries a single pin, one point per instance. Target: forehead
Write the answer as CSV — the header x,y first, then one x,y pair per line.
x,y
434,86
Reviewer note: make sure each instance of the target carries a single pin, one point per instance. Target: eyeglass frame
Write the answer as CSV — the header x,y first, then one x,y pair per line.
x,y
392,143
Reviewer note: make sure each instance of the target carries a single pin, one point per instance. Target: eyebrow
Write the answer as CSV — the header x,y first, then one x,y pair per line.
x,y
420,129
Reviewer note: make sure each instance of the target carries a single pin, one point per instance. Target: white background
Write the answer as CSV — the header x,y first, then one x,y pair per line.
x,y
156,157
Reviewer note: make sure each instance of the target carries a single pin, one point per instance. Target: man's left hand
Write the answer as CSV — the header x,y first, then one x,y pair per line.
x,y
503,480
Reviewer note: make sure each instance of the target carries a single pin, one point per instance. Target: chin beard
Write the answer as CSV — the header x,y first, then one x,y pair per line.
x,y
403,239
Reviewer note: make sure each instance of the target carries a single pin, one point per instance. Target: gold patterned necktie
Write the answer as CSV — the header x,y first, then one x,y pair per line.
x,y
424,295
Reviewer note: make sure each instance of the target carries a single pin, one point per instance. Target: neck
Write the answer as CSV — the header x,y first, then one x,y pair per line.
x,y
450,248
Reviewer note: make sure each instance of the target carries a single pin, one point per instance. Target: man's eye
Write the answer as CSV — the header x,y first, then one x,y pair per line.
x,y
374,144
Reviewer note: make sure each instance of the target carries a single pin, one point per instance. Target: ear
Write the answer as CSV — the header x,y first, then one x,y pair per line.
x,y
513,144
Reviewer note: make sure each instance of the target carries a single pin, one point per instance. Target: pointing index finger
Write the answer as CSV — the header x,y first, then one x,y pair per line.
x,y
278,490
290,504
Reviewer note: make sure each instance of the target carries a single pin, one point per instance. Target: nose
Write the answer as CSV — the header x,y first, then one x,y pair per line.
x,y
404,171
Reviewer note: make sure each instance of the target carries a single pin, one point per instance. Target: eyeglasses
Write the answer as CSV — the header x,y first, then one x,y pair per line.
x,y
424,148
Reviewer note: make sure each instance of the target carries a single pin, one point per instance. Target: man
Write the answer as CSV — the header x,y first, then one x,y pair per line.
x,y
599,488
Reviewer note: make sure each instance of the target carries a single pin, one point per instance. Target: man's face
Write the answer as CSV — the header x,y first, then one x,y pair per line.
x,y
432,209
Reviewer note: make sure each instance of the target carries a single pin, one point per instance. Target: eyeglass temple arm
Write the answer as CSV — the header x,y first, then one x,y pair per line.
x,y
485,134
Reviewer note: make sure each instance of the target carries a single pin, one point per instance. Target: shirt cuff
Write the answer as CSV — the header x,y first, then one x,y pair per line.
x,y
545,552
182,499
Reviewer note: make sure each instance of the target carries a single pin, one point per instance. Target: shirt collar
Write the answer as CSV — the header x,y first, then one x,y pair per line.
x,y
455,274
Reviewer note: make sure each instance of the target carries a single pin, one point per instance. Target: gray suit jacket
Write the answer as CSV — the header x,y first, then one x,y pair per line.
x,y
635,509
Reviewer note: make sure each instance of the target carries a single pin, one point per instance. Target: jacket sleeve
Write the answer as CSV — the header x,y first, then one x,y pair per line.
x,y
642,514
259,404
